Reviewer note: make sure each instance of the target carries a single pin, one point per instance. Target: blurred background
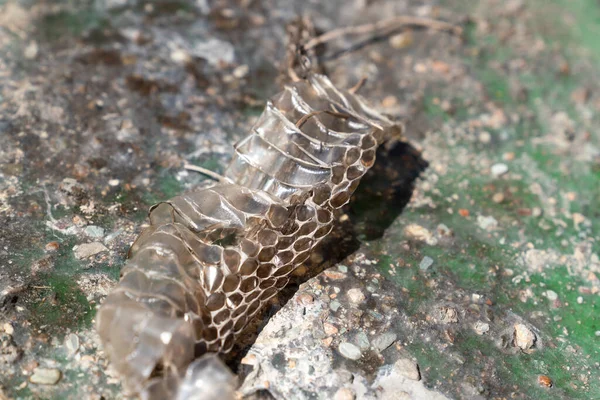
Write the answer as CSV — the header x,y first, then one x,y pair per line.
x,y
466,265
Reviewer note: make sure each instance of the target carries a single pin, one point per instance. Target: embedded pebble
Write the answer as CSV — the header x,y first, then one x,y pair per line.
x,y
72,343
401,40
334,305
45,376
94,231
524,338
305,299
241,71
426,262
362,340
8,328
443,230
485,137
487,222
350,351
88,249
52,246
499,169
449,315
481,327
344,394
334,275
383,341
330,329
356,296
408,369
9,353
31,51
551,295
545,380
418,232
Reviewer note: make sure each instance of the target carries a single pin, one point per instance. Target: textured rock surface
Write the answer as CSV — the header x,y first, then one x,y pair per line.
x,y
102,101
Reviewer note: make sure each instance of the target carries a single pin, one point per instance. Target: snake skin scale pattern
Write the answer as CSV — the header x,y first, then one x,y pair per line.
x,y
212,258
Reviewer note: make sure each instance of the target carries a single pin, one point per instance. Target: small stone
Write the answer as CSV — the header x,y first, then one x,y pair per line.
x,y
241,71
305,299
463,212
389,101
114,182
330,329
334,275
356,296
45,376
524,338
401,40
9,352
383,341
545,381
485,137
88,249
426,262
487,222
31,51
418,232
508,156
408,369
8,328
481,327
94,231
72,343
578,219
250,359
551,295
334,305
498,197
52,246
362,340
344,394
499,169
449,315
350,351
443,230
180,56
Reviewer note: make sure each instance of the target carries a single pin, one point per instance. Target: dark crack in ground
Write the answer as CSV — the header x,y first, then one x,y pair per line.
x,y
483,282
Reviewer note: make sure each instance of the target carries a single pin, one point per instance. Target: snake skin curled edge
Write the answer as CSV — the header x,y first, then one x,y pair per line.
x,y
186,290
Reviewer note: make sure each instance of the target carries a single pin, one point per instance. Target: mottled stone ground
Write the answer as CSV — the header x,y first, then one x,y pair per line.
x,y
479,279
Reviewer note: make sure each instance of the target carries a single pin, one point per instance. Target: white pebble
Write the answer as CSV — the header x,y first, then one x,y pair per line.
x,y
426,262
499,169
551,295
350,351
356,296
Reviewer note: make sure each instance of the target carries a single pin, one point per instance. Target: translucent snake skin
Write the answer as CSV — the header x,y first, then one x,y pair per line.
x,y
212,258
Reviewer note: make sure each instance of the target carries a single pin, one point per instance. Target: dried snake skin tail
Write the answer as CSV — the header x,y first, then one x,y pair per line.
x,y
211,259
141,323
155,341
207,378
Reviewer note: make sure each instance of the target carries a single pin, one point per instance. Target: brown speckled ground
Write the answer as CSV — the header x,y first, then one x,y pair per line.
x,y
101,103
